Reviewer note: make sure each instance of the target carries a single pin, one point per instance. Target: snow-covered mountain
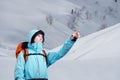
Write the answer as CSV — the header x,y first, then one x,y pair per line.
x,y
94,57
96,14
19,17
58,18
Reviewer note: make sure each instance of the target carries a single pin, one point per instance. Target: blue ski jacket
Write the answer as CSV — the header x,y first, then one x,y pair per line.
x,y
36,66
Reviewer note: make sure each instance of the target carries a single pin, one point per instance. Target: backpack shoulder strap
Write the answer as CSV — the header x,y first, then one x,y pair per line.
x,y
25,52
43,52
45,56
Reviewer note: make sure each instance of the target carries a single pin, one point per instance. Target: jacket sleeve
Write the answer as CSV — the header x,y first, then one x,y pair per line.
x,y
19,68
54,56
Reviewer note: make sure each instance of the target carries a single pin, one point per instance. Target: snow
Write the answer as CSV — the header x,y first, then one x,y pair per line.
x,y
19,17
94,56
104,41
7,65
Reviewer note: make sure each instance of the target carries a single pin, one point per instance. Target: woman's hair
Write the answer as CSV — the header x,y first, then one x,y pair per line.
x,y
38,32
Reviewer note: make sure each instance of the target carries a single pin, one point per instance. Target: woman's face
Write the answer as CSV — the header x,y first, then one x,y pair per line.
x,y
38,38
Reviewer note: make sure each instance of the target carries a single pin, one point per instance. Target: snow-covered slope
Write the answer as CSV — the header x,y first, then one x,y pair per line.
x,y
7,65
90,46
96,14
94,57
17,18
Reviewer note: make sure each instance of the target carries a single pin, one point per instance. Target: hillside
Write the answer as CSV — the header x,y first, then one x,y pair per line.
x,y
94,57
19,17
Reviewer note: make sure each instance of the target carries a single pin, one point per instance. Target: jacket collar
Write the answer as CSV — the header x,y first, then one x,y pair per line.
x,y
36,47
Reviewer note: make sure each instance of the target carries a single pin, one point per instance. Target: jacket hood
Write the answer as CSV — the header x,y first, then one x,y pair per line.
x,y
34,47
30,35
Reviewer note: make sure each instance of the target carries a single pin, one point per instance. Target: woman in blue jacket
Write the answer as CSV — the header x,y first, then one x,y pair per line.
x,y
35,68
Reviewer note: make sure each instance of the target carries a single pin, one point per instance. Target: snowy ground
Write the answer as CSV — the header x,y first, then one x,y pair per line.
x,y
94,57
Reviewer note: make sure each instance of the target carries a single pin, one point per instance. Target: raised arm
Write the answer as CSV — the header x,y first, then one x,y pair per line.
x,y
54,56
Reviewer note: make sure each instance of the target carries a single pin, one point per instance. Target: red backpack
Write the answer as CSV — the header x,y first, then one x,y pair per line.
x,y
23,46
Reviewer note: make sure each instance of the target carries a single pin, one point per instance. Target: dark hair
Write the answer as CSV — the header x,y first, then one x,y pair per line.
x,y
38,32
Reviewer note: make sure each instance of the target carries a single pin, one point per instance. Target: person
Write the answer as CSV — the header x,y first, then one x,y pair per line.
x,y
36,67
